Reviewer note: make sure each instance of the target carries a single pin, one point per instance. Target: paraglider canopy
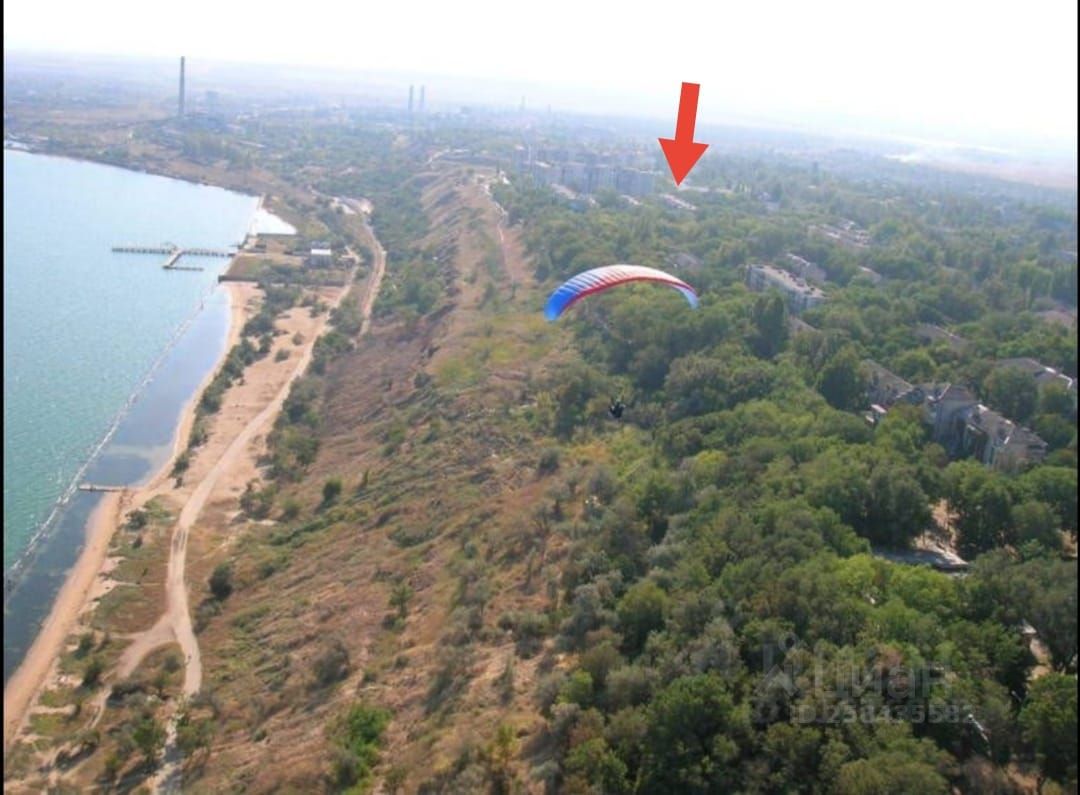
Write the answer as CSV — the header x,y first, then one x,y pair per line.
x,y
599,279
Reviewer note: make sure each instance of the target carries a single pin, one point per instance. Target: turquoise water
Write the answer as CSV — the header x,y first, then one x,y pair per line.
x,y
84,328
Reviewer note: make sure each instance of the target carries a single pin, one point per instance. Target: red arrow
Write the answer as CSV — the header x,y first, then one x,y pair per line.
x,y
681,152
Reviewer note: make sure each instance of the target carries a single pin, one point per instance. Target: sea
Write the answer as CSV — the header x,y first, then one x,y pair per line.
x,y
102,349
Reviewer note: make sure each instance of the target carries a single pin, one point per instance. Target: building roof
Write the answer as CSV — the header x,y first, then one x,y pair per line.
x,y
789,280
1061,316
799,326
684,260
884,377
1038,371
931,333
676,202
322,252
1003,431
803,267
939,392
1023,363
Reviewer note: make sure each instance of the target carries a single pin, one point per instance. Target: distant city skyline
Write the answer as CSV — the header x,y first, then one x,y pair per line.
x,y
969,72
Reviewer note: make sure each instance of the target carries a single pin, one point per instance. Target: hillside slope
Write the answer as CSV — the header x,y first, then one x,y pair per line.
x,y
426,426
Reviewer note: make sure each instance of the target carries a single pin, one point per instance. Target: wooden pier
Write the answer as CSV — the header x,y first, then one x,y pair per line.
x,y
97,487
174,253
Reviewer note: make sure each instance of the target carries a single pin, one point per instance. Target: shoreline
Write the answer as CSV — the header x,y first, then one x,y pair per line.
x,y
221,180
26,681
25,560
138,169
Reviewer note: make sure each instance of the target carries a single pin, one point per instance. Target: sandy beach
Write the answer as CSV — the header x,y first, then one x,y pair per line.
x,y
85,579
25,682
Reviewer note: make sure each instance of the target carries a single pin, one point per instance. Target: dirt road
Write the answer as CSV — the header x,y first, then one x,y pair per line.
x,y
176,623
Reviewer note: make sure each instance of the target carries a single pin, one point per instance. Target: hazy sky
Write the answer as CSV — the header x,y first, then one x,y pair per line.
x,y
944,68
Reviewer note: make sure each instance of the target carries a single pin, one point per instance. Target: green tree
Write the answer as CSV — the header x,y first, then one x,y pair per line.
x,y
400,596
642,610
95,667
916,365
1048,723
898,508
694,738
499,755
982,502
792,752
149,737
1056,431
1057,399
1055,486
1036,521
221,584
1048,596
193,735
331,490
357,736
592,766
889,775
841,381
769,318
1012,392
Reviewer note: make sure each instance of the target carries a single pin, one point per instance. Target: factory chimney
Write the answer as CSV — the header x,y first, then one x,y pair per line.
x,y
180,113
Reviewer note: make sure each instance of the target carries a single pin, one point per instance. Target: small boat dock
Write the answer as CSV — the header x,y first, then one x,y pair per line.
x,y
174,253
97,487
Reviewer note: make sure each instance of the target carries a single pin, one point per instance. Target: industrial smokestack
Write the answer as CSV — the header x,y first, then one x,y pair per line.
x,y
180,113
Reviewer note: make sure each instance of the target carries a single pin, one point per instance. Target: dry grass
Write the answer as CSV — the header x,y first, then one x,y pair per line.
x,y
428,421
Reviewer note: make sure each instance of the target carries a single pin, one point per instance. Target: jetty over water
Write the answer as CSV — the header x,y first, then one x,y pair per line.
x,y
97,487
174,253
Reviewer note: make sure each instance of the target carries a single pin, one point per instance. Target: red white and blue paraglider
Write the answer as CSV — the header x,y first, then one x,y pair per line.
x,y
600,279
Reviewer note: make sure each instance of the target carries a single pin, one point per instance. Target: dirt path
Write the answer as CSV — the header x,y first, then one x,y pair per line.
x,y
378,270
177,616
176,621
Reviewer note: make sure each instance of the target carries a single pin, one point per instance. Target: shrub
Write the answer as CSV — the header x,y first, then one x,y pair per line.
x,y
357,736
528,628
332,665
180,466
221,581
257,503
95,666
331,490
137,519
290,510
549,461
399,599
149,736
505,683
